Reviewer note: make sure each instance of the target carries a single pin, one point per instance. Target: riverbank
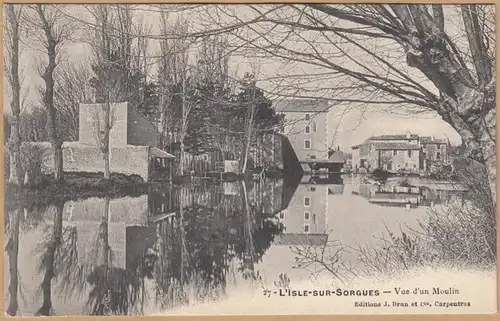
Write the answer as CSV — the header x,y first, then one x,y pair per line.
x,y
76,186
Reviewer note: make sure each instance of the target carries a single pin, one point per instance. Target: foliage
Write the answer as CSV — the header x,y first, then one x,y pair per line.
x,y
460,235
380,175
442,171
32,159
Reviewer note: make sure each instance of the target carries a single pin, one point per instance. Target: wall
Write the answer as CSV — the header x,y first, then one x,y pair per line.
x,y
355,159
295,131
401,160
91,121
140,131
85,158
293,217
431,151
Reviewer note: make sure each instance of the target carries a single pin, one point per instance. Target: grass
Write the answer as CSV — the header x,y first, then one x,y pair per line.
x,y
461,235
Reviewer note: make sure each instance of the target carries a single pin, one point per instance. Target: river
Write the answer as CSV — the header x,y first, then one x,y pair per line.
x,y
180,246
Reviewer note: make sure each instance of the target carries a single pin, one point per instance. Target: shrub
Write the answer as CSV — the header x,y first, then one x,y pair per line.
x,y
380,175
32,159
460,235
405,182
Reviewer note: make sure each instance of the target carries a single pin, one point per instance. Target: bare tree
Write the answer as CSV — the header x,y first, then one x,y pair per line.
x,y
112,45
12,25
54,29
71,89
414,58
170,70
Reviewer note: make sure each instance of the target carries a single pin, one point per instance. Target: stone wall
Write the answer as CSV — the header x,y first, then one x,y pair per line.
x,y
78,157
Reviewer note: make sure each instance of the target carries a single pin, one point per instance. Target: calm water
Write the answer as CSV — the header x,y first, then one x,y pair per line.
x,y
197,243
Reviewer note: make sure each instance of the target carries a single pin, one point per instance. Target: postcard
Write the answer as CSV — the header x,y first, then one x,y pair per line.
x,y
249,159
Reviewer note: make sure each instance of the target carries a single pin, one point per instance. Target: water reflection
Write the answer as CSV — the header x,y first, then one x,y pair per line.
x,y
176,246
411,195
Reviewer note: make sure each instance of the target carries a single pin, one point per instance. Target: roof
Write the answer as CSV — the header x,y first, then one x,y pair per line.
x,y
297,239
337,157
394,137
395,146
301,105
156,152
430,140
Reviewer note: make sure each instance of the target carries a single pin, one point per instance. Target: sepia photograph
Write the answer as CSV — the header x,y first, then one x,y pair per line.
x,y
249,159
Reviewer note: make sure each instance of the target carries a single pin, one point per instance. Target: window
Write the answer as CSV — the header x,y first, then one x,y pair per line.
x,y
308,117
409,153
414,166
307,216
307,201
308,129
406,164
313,189
307,144
306,228
395,152
282,215
205,158
313,157
438,155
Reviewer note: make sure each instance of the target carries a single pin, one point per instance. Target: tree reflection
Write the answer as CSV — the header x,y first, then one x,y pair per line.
x,y
114,290
48,260
211,235
12,251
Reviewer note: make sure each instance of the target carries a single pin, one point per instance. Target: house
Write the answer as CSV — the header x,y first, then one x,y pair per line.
x,y
133,142
398,153
434,150
306,126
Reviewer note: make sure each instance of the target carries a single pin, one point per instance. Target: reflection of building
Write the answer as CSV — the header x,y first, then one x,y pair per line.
x,y
133,143
89,218
409,196
305,219
408,153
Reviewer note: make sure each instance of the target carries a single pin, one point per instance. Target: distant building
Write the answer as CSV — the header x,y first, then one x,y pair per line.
x,y
306,126
133,142
434,150
407,153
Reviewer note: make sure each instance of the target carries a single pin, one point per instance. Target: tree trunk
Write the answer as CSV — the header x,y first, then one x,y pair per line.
x,y
48,96
58,162
15,176
12,249
14,147
105,139
248,139
49,262
181,160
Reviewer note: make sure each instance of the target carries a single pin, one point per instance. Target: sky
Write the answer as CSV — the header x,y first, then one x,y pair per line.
x,y
352,126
